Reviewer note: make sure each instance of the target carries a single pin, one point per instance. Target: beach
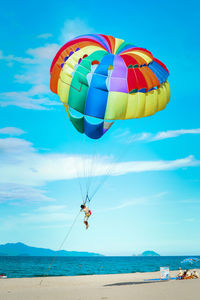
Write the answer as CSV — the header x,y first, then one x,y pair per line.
x,y
108,287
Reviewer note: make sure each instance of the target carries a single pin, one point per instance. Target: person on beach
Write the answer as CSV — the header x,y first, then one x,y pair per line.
x,y
88,213
187,275
180,273
184,274
195,274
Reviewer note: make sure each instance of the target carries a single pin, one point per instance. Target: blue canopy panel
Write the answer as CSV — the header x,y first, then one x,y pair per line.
x,y
93,131
159,71
97,96
96,131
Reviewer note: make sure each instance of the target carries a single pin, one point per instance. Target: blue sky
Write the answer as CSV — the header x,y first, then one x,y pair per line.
x,y
151,201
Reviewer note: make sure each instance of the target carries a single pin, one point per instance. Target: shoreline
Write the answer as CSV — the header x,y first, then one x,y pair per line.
x,y
105,286
83,275
138,274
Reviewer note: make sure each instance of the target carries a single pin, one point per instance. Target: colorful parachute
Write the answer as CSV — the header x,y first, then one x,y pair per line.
x,y
104,77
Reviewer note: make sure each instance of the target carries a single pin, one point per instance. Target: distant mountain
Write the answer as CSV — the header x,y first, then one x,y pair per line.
x,y
20,249
149,253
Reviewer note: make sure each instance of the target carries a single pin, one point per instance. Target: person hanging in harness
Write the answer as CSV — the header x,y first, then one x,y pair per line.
x,y
88,213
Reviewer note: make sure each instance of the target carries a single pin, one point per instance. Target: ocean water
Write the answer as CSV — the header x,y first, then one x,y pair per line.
x,y
17,267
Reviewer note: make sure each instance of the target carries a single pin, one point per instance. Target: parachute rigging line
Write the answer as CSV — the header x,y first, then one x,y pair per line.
x,y
91,169
85,179
87,199
111,168
61,245
79,182
81,176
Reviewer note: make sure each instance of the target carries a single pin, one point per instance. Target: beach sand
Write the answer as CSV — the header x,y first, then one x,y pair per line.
x,y
100,287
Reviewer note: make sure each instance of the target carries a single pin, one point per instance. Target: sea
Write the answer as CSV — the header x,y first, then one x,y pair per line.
x,y
27,266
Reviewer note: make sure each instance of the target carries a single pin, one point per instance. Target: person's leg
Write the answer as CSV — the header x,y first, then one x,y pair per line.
x,y
86,224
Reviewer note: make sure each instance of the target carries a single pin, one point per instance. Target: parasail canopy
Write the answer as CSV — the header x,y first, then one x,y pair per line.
x,y
108,79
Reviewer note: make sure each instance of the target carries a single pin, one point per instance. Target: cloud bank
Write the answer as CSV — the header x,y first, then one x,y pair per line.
x,y
21,163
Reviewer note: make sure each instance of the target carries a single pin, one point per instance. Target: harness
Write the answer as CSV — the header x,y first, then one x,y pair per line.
x,y
88,214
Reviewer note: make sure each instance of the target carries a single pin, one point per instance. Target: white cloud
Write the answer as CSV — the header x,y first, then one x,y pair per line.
x,y
127,137
174,133
21,163
159,165
15,146
35,69
12,131
12,192
73,28
45,52
137,201
144,136
38,218
12,58
44,36
28,100
52,208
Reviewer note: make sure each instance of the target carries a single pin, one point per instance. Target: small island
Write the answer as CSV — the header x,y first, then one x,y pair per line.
x,y
149,253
